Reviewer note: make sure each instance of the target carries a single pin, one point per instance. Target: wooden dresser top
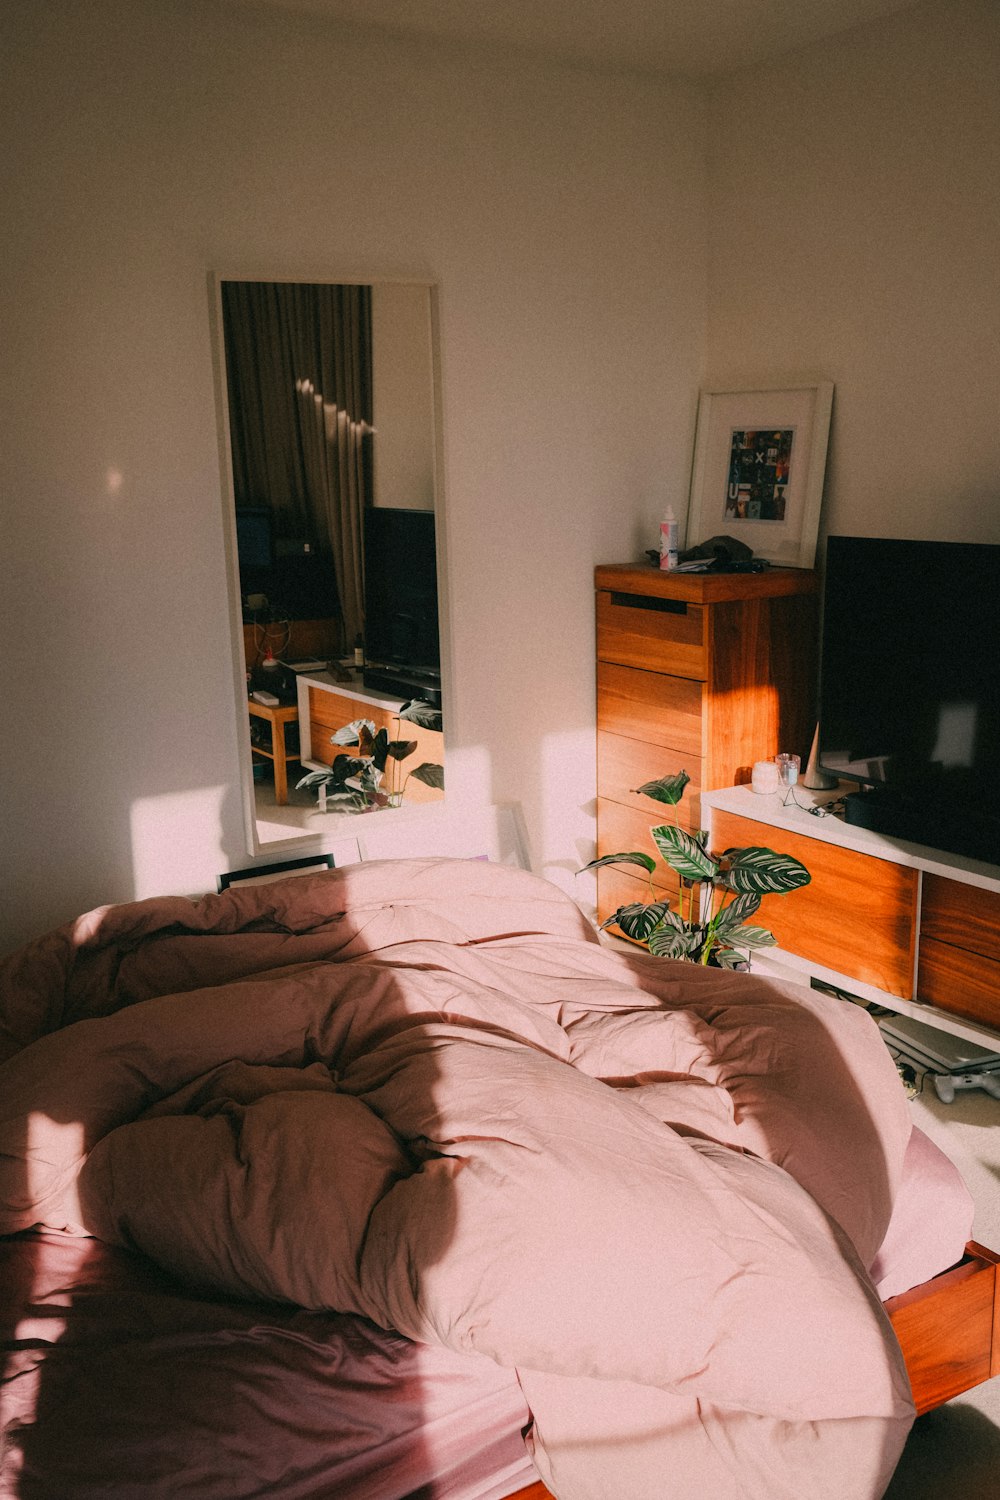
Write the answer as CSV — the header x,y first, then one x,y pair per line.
x,y
703,588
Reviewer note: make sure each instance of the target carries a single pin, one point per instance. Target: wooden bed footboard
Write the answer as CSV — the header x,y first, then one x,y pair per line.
x,y
948,1329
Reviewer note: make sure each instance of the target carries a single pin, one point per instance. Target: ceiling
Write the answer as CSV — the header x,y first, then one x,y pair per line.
x,y
697,39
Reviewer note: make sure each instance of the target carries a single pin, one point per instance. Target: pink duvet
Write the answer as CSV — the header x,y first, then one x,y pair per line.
x,y
421,1093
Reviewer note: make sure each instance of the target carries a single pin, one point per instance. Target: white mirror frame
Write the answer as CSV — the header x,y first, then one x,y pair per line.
x,y
338,827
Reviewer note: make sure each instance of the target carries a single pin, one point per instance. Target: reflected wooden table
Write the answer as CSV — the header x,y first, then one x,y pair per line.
x,y
278,718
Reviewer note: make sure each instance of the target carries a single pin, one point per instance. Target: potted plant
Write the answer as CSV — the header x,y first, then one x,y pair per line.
x,y
718,893
359,783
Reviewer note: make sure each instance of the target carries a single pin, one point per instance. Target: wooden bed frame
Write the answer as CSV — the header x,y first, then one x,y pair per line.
x,y
948,1330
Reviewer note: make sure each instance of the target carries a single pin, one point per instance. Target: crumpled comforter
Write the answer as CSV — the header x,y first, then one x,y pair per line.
x,y
423,1092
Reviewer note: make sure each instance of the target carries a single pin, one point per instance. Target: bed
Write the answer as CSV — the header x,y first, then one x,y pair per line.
x,y
394,1181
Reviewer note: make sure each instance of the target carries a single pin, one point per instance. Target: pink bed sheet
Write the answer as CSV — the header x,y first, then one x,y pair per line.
x,y
117,1381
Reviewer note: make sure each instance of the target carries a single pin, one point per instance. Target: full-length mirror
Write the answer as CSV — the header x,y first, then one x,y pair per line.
x,y
332,430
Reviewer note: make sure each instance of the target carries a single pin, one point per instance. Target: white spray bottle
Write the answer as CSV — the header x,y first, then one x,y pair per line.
x,y
668,539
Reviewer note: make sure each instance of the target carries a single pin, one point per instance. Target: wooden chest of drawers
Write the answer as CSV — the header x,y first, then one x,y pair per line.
x,y
704,673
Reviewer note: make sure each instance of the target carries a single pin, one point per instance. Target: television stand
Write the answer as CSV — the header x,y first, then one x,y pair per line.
x,y
408,682
325,705
885,919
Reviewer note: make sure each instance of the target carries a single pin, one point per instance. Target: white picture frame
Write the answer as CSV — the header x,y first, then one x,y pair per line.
x,y
758,470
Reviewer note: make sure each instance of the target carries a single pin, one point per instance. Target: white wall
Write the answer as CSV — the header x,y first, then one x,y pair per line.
x,y
149,143
403,396
855,234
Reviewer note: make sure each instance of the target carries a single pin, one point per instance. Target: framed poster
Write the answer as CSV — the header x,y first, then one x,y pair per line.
x,y
759,464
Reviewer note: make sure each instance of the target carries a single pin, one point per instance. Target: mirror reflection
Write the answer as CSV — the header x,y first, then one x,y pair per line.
x,y
332,437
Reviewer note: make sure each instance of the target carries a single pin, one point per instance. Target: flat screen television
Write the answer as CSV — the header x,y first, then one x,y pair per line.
x,y
402,644
254,536
909,700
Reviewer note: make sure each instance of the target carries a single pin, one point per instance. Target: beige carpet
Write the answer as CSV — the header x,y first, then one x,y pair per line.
x,y
954,1453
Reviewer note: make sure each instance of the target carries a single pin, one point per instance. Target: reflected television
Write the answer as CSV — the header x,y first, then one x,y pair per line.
x,y
402,643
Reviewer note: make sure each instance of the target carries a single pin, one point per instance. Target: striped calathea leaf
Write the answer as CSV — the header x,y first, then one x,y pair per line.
x,y
638,920
352,733
424,714
668,789
430,774
683,853
672,937
731,929
632,857
762,871
744,875
737,912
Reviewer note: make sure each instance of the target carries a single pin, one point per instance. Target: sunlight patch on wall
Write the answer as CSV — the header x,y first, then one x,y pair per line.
x,y
568,802
176,841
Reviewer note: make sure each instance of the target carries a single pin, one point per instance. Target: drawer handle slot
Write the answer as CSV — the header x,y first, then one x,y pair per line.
x,y
648,601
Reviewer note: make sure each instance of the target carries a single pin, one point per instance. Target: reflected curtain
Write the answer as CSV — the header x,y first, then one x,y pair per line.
x,y
299,374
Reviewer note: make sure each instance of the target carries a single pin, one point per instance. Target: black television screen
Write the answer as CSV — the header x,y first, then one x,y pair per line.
x,y
909,702
254,539
401,599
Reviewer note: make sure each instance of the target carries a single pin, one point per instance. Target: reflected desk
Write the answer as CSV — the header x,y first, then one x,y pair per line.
x,y
278,718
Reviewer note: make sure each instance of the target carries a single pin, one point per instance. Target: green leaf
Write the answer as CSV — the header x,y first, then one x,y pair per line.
x,y
752,937
424,714
637,920
764,871
348,801
345,766
728,958
429,774
379,751
674,938
738,910
666,788
367,778
315,778
350,734
635,857
683,853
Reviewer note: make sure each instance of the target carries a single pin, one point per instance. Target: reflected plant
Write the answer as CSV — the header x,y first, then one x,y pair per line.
x,y
720,892
373,778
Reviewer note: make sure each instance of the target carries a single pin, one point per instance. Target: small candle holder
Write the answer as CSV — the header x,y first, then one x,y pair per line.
x,y
765,779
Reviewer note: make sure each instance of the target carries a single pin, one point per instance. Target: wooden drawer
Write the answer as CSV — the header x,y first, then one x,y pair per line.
x,y
650,706
948,1330
623,764
961,914
967,984
620,831
662,635
333,710
857,915
958,967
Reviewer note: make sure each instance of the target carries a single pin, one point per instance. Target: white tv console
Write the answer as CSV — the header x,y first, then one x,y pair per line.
x,y
894,923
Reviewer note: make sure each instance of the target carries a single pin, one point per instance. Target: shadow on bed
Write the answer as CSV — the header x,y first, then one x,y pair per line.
x,y
351,1091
